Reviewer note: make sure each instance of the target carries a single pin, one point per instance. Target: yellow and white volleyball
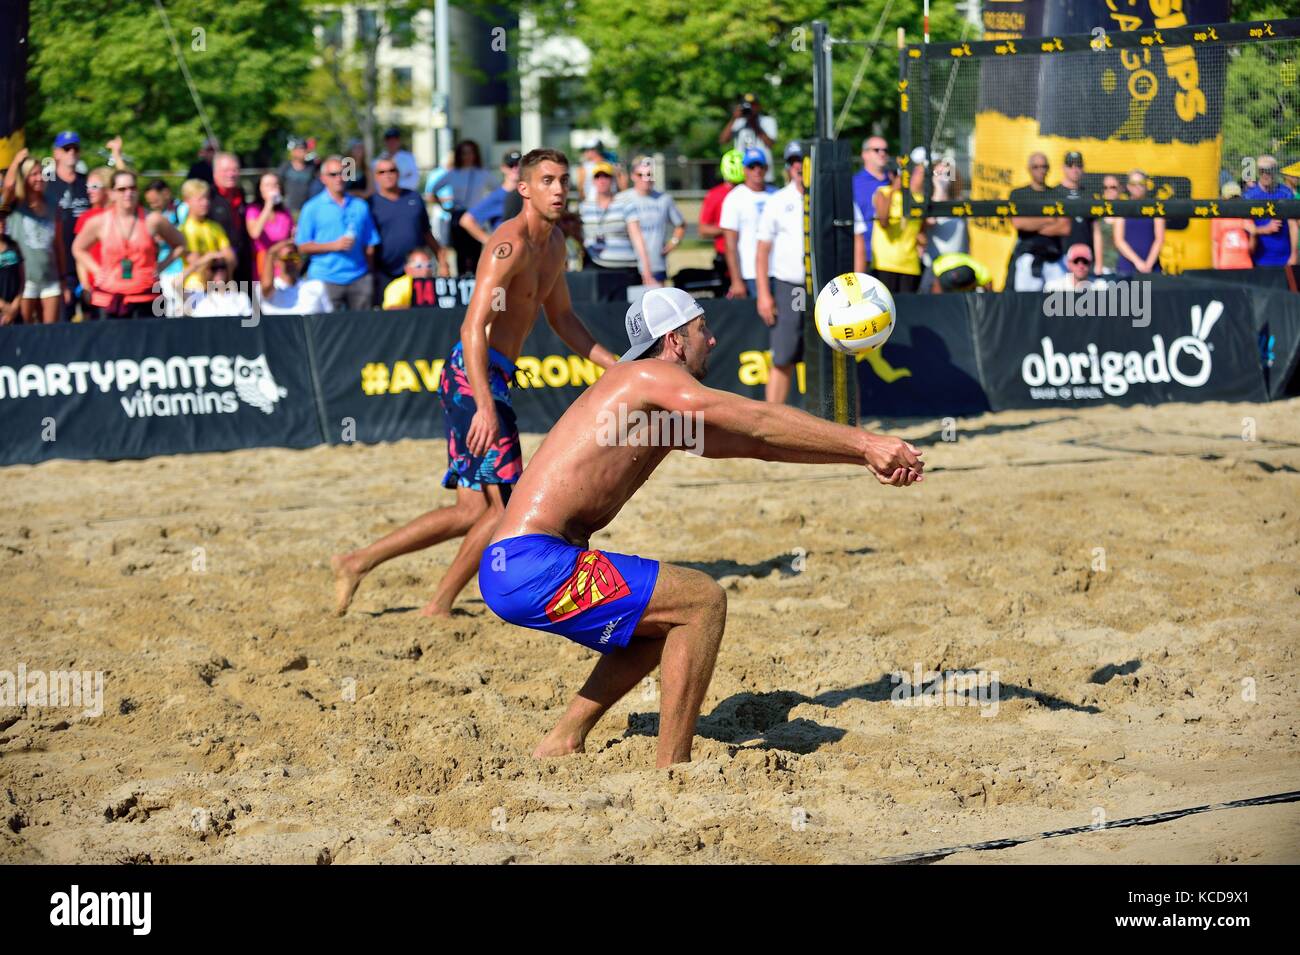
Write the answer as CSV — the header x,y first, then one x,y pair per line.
x,y
854,313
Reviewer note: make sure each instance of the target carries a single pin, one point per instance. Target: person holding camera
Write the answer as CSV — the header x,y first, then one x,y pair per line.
x,y
750,128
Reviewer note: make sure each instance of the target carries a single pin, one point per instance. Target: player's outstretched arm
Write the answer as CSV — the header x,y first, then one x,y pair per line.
x,y
561,317
740,427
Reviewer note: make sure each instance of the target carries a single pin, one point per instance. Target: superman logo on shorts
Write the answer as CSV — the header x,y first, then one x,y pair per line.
x,y
595,580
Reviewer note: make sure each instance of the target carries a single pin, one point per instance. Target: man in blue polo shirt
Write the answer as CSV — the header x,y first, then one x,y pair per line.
x,y
1275,239
337,231
875,153
490,211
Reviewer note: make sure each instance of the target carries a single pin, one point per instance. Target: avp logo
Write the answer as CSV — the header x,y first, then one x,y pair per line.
x,y
255,384
1186,360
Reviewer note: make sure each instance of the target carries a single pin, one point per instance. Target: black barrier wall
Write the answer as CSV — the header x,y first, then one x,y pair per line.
x,y
136,389
159,386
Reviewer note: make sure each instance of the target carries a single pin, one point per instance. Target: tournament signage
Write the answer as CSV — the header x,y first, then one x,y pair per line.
x,y
157,386
378,373
133,389
1156,107
1189,346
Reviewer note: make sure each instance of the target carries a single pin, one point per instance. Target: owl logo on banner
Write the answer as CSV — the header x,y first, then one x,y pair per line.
x,y
255,384
594,580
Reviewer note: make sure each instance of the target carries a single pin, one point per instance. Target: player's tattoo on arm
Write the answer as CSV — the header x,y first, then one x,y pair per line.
x,y
503,250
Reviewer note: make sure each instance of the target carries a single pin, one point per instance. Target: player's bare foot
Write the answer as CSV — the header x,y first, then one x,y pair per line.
x,y
347,577
558,745
435,608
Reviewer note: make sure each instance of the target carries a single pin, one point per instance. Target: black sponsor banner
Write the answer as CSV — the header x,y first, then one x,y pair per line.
x,y
141,388
132,389
1185,345
378,371
928,367
1277,320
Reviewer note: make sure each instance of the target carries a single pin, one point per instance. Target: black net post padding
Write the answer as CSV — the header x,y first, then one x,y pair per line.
x,y
828,243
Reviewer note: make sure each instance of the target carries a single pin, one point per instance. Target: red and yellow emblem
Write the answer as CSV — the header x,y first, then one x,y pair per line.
x,y
595,579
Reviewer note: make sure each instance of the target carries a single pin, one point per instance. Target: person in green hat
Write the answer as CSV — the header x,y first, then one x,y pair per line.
x,y
732,173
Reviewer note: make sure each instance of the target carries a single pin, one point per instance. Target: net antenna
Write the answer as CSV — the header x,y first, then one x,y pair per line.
x,y
185,71
862,65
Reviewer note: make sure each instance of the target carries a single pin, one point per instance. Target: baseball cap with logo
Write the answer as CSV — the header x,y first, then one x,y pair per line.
x,y
512,158
793,152
753,157
66,138
660,311
1074,158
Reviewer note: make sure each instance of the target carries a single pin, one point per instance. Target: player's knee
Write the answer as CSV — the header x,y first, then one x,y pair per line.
x,y
714,603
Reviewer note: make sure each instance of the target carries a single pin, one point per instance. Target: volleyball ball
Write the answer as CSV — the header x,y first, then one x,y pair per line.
x,y
854,313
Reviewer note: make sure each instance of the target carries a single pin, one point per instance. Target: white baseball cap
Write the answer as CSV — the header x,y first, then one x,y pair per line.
x,y
660,311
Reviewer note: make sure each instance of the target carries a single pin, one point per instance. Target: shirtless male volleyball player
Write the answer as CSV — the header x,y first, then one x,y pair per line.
x,y
539,571
521,270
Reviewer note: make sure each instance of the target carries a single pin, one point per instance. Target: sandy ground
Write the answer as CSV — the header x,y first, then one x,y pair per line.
x,y
1131,577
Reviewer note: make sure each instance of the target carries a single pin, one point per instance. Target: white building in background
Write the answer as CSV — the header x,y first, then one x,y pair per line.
x,y
486,102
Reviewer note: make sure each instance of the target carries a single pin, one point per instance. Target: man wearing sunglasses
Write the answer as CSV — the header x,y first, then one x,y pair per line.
x,y
69,198
1276,240
1078,261
402,221
1040,240
338,232
875,154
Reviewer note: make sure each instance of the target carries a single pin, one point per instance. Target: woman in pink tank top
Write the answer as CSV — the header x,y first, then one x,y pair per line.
x,y
124,282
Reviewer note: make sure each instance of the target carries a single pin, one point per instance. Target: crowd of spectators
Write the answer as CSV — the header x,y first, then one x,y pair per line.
x,y
346,233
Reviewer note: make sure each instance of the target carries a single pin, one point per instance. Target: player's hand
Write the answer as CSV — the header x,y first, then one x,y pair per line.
x,y
737,290
483,431
893,461
767,309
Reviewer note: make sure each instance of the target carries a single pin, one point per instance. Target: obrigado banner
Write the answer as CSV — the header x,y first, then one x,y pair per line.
x,y
134,389
1038,349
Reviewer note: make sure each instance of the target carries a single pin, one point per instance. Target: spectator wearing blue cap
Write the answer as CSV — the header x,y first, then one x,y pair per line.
x,y
68,197
741,211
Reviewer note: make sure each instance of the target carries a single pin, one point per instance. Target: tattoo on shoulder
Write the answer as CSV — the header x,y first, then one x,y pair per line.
x,y
503,250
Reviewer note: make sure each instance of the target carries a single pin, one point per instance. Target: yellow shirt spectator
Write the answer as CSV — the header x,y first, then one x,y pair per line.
x,y
202,237
397,294
893,246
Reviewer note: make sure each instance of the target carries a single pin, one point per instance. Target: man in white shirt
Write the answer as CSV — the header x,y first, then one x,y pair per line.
x,y
290,293
751,128
408,171
739,223
781,302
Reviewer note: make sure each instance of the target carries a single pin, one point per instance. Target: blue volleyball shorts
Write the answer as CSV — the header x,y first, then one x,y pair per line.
x,y
592,597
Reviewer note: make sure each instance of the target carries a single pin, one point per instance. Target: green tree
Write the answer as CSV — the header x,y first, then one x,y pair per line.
x,y
668,72
1261,95
103,67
